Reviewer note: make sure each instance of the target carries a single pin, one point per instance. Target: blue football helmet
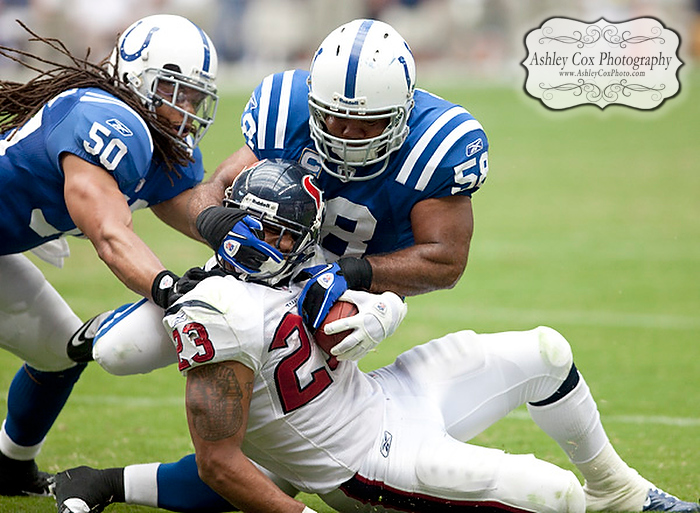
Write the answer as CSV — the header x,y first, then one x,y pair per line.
x,y
285,198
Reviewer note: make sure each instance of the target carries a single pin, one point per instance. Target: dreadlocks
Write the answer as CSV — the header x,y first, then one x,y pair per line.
x,y
19,102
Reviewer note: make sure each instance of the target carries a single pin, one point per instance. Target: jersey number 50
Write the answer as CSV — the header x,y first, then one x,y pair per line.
x,y
111,153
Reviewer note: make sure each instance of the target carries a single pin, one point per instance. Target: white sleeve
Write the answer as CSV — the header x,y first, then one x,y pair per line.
x,y
217,321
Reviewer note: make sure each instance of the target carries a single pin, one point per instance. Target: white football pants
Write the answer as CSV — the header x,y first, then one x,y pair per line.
x,y
35,322
134,341
442,394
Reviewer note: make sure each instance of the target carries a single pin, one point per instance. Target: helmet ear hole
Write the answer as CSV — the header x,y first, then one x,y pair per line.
x,y
172,67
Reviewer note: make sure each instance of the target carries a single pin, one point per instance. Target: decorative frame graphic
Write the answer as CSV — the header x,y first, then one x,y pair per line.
x,y
633,63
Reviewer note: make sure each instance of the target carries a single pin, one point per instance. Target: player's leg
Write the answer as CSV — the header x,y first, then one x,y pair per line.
x,y
573,421
35,322
171,486
478,379
132,340
416,466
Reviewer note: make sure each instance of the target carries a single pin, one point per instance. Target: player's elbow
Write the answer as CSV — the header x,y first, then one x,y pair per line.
x,y
210,471
217,469
451,270
449,278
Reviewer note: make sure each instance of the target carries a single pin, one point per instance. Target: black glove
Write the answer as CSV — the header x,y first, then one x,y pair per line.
x,y
193,276
163,289
214,223
168,287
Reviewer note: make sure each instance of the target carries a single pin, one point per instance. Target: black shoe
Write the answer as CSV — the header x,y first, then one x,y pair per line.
x,y
80,344
22,478
88,490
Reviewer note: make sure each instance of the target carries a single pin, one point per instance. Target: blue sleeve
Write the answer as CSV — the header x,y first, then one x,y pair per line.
x,y
106,133
163,184
275,122
465,166
446,152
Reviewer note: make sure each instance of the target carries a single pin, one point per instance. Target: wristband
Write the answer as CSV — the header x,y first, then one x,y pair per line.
x,y
162,287
213,223
357,272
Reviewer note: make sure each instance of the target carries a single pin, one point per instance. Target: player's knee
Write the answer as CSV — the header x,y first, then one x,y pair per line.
x,y
117,356
110,357
126,354
555,350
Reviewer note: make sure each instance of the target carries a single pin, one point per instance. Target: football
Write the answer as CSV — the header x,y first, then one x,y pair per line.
x,y
339,310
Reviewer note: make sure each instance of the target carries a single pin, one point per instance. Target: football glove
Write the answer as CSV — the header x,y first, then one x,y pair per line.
x,y
327,283
167,288
163,289
245,250
214,223
378,317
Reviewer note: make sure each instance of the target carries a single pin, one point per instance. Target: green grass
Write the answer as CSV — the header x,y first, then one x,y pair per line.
x,y
589,222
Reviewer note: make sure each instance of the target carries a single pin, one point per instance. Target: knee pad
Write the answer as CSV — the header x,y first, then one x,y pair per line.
x,y
555,350
134,341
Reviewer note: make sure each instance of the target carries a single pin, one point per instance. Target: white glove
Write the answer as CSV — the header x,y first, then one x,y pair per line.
x,y
378,317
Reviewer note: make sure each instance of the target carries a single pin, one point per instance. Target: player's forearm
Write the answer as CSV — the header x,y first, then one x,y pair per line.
x,y
203,196
175,213
237,480
212,191
131,261
416,270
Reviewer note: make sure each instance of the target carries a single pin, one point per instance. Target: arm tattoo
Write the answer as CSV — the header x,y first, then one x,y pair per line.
x,y
214,400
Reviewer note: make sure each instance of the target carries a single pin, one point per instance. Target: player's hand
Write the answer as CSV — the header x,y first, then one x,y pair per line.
x,y
377,318
163,289
165,293
326,284
244,249
193,277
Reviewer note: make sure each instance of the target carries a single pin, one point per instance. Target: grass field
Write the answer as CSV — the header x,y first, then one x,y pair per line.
x,y
589,222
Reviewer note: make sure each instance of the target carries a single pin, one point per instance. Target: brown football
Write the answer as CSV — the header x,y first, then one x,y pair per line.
x,y
339,310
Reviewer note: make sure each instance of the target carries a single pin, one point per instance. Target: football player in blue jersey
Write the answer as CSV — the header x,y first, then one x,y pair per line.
x,y
81,146
398,165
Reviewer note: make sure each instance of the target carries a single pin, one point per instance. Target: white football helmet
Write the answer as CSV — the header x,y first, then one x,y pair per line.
x,y
167,59
362,70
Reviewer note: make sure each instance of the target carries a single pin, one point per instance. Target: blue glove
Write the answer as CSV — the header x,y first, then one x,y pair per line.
x,y
326,284
244,249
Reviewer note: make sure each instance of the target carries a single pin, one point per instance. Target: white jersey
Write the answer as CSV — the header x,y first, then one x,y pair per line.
x,y
393,437
303,424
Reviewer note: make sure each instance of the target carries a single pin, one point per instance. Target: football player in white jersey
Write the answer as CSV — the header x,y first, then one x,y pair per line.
x,y
396,439
81,147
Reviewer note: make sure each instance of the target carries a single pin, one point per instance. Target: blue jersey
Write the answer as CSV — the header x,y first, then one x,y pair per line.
x,y
96,127
445,154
